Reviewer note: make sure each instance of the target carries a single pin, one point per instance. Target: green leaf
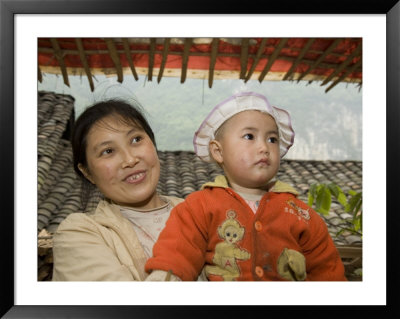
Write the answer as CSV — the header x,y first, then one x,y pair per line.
x,y
357,224
352,193
335,189
338,193
353,203
324,200
311,194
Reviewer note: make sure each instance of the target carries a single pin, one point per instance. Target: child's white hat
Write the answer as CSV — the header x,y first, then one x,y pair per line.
x,y
237,103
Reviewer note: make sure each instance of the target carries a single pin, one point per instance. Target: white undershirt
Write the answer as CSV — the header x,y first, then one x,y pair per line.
x,y
147,224
252,200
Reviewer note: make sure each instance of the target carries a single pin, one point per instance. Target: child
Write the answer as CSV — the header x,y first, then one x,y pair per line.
x,y
245,225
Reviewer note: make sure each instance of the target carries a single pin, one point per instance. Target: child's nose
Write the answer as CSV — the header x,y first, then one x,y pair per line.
x,y
263,146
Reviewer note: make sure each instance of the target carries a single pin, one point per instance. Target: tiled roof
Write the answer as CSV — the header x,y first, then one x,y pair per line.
x,y
181,173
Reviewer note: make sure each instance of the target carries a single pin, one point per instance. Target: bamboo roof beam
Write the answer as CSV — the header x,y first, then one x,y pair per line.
x,y
343,65
213,59
167,41
321,58
144,51
185,58
128,55
244,52
303,52
257,58
82,56
272,58
352,69
115,58
60,58
151,58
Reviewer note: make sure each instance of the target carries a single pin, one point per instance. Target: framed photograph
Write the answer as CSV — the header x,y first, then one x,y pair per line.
x,y
22,23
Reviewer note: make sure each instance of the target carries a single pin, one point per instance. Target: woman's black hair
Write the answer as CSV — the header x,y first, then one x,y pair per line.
x,y
125,112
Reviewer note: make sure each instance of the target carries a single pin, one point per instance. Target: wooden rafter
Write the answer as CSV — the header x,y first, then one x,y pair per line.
x,y
299,58
164,59
244,52
151,58
128,55
257,58
60,58
82,56
272,58
352,69
213,58
185,58
321,58
114,57
345,63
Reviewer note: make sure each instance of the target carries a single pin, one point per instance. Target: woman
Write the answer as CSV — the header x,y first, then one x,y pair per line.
x,y
114,150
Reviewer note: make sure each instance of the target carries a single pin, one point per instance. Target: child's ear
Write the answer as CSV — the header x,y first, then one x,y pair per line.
x,y
85,172
215,148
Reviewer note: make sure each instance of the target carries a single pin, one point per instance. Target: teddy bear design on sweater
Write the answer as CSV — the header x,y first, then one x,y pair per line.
x,y
227,251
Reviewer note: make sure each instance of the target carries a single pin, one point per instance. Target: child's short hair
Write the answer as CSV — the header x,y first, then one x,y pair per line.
x,y
244,101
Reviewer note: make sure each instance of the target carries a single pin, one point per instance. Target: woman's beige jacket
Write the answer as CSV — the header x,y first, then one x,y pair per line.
x,y
101,246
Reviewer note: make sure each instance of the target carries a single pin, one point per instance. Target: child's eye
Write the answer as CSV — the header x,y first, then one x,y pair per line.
x,y
249,136
228,234
234,235
272,140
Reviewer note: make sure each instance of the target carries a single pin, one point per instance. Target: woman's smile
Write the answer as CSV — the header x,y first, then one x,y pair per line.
x,y
136,177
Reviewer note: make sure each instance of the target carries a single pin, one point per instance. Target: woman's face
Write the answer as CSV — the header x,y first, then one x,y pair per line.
x,y
122,162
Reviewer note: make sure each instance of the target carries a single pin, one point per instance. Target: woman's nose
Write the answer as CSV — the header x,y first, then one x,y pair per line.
x,y
129,160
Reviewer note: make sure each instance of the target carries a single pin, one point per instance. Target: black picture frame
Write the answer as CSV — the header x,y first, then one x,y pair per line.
x,y
8,10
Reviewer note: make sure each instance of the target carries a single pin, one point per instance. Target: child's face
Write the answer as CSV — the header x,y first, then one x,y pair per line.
x,y
249,150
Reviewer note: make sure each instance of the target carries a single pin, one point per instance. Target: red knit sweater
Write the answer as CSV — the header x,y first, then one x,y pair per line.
x,y
216,228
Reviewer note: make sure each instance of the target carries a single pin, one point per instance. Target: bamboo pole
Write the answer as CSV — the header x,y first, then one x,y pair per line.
x,y
272,58
355,66
343,65
164,59
40,77
321,58
298,59
151,58
185,58
213,59
257,58
114,57
85,64
129,57
244,57
60,58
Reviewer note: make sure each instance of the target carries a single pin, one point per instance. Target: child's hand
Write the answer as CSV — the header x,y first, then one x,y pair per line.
x,y
292,265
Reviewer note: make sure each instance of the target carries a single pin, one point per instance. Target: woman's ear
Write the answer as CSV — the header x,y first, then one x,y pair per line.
x,y
215,148
85,172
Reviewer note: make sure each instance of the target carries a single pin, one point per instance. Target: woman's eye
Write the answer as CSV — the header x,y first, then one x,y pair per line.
x,y
107,151
249,136
137,139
